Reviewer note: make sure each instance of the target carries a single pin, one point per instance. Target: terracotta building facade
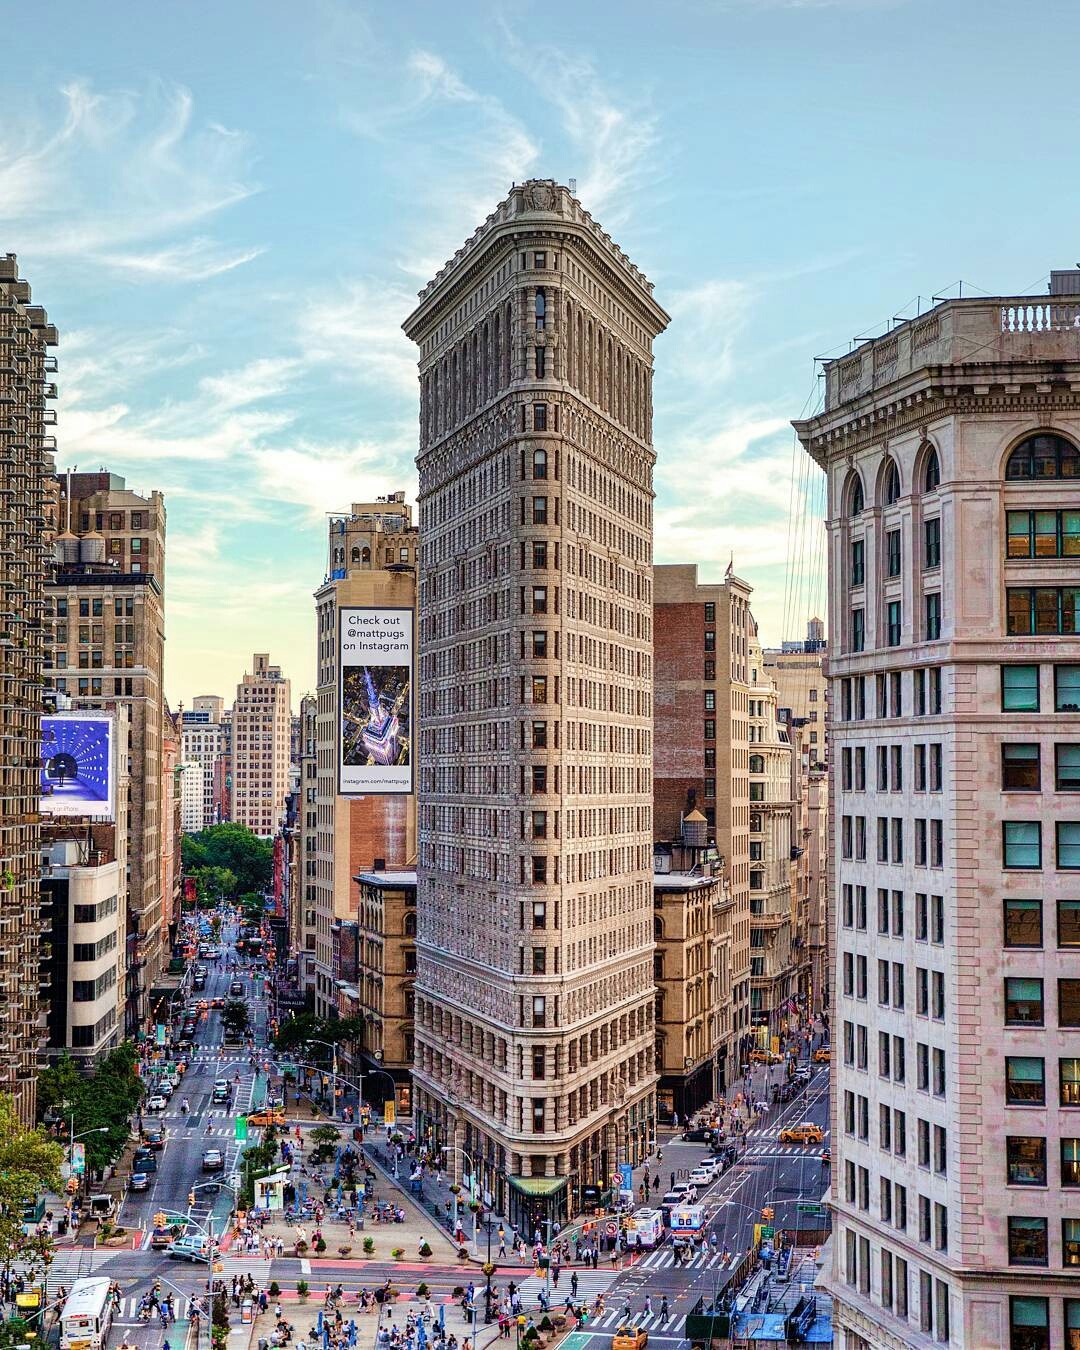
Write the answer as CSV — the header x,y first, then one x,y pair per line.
x,y
534,994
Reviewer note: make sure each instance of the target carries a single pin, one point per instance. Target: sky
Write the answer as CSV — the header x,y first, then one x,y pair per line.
x,y
228,209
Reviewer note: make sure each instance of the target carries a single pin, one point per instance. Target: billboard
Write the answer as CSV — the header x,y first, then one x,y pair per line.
x,y
78,765
375,743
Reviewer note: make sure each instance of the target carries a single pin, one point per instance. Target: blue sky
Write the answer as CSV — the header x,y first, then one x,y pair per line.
x,y
228,208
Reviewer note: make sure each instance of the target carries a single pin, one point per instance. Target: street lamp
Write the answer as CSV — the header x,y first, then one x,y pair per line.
x,y
489,1223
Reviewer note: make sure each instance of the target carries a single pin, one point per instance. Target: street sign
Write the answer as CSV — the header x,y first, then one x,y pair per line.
x,y
809,1207
390,1113
161,1033
241,1128
767,1231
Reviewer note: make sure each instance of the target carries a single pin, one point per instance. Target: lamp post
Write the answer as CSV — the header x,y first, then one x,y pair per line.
x,y
488,1315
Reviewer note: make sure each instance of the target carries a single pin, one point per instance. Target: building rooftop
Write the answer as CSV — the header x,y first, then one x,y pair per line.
x,y
406,877
683,881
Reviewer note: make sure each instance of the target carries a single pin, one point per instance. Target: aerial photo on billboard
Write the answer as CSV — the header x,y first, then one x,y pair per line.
x,y
376,700
77,765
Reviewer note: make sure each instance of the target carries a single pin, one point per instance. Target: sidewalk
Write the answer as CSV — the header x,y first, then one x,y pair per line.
x,y
303,1315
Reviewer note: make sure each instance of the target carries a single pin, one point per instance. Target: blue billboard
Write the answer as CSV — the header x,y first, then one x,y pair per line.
x,y
78,765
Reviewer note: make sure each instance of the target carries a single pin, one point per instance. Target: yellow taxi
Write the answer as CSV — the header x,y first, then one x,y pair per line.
x,y
823,1055
267,1116
806,1133
630,1338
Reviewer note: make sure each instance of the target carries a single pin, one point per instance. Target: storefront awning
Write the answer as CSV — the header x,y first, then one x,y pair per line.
x,y
538,1185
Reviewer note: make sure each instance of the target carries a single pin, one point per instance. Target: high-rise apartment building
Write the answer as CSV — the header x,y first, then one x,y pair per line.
x,y
304,921
775,946
261,724
952,449
701,755
25,465
106,649
798,671
203,743
192,796
535,1060
371,565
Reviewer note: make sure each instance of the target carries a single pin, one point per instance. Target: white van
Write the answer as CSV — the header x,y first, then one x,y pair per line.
x,y
644,1228
87,1315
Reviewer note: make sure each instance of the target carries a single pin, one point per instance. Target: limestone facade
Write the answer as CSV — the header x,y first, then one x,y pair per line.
x,y
534,992
951,449
261,723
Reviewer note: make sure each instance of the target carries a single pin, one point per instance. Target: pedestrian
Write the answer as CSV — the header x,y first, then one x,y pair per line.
x,y
574,1283
663,1309
595,1257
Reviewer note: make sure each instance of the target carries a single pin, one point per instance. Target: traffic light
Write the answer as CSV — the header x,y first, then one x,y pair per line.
x,y
767,1214
191,1196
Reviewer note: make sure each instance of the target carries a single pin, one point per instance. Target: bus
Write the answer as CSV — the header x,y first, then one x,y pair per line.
x,y
87,1315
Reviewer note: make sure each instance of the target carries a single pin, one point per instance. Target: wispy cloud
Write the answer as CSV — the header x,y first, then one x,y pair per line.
x,y
125,180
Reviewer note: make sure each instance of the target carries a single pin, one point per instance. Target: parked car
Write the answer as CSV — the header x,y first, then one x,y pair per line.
x,y
806,1133
697,1136
156,1103
701,1177
153,1136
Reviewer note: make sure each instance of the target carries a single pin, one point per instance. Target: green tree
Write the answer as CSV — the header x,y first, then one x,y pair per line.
x,y
235,1016
214,884
29,1164
102,1102
233,846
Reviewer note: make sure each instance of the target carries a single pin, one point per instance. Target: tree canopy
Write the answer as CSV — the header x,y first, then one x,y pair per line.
x,y
308,1028
29,1164
102,1101
234,848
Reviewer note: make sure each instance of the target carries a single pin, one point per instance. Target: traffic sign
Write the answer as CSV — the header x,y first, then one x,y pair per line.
x,y
767,1231
241,1128
809,1207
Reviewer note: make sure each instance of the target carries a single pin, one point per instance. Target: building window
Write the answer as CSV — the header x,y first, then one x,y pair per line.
x,y
539,600
1069,1081
710,706
1023,1002
858,630
893,621
1070,1244
1025,1160
539,688
1068,845
1067,688
1020,688
931,544
539,459
539,824
1043,534
1043,456
541,363
710,729
1020,767
1022,844
1068,923
540,307
856,496
1070,1162
539,1011
1025,1080
539,409
1023,923
1069,1003
891,490
1043,609
1067,768
1027,1242
539,510
710,612
932,605
1029,1323
892,553
858,562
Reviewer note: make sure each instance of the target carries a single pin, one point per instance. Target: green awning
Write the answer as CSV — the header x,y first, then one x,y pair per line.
x,y
537,1185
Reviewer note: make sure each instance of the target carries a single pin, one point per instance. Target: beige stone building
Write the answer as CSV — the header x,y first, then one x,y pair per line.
x,y
798,671
952,448
372,559
303,918
105,622
692,911
534,994
25,466
203,744
261,723
702,633
774,934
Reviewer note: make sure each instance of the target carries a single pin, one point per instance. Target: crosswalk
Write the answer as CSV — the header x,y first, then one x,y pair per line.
x,y
665,1258
70,1263
771,1149
590,1283
127,1314
652,1321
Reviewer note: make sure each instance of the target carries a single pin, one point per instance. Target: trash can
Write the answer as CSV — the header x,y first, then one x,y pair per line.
x,y
247,1313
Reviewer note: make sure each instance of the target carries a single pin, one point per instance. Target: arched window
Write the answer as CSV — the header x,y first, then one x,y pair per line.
x,y
355,554
365,555
541,307
890,487
1044,456
932,472
658,929
757,763
539,463
410,924
855,496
